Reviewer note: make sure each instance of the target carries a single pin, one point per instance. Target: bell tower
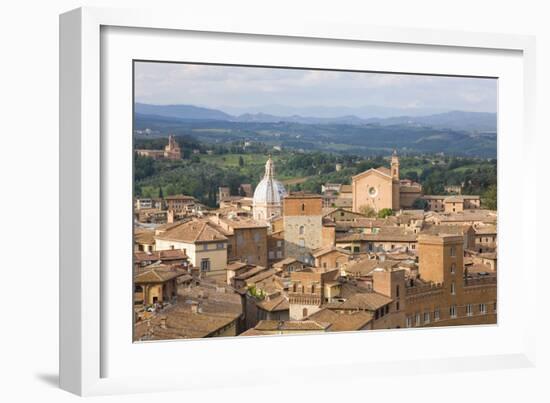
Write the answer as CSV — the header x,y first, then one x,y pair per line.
x,y
395,165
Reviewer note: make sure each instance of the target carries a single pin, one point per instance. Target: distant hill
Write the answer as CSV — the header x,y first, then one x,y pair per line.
x,y
187,112
360,139
453,120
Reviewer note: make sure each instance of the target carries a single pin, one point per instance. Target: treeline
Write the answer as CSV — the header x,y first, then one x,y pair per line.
x,y
201,179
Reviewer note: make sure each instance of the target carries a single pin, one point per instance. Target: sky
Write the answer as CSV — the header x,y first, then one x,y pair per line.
x,y
236,89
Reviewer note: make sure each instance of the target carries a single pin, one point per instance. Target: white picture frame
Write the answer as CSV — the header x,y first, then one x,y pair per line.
x,y
87,302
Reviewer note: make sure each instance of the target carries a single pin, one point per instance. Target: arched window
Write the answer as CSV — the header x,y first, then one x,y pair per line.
x,y
304,312
303,207
301,230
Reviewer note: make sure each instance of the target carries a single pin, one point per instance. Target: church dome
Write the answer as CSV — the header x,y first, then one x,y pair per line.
x,y
269,190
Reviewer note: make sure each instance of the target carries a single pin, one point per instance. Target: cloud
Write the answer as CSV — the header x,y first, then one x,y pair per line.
x,y
235,86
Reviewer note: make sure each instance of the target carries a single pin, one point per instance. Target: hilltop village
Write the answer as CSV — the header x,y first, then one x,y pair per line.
x,y
355,257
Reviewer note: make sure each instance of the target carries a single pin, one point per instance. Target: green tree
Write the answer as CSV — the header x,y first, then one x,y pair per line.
x,y
241,161
489,198
161,195
367,211
420,204
385,212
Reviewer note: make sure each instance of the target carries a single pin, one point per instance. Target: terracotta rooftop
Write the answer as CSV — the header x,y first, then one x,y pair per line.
x,y
163,255
251,273
369,301
386,234
345,321
364,267
432,229
329,249
192,231
291,325
279,303
285,261
144,236
157,273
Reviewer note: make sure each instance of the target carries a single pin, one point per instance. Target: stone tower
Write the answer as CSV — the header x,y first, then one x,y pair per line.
x,y
395,165
303,225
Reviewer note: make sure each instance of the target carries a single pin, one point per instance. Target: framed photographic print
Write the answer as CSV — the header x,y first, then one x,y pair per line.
x,y
266,192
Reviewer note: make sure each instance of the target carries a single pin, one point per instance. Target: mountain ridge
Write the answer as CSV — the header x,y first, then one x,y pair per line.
x,y
455,120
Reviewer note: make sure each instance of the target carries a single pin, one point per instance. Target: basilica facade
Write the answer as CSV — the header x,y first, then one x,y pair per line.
x,y
380,188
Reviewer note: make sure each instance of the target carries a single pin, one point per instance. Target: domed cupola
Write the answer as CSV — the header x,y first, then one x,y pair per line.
x,y
268,195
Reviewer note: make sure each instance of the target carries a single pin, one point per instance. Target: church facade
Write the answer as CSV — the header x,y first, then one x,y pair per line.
x,y
172,151
380,188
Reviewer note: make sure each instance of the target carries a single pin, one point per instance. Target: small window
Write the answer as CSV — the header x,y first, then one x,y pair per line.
x,y
452,311
437,315
426,317
397,305
453,268
303,207
301,230
469,310
482,309
397,291
418,319
304,312
302,243
205,265
453,288
408,322
453,251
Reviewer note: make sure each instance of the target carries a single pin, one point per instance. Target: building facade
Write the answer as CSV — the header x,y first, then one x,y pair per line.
x,y
303,226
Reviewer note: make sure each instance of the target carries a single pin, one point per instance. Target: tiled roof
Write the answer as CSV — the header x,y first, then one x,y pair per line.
x,y
157,273
260,276
251,273
144,236
432,229
291,325
193,231
285,261
279,303
365,301
324,251
339,322
163,255
386,234
365,266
